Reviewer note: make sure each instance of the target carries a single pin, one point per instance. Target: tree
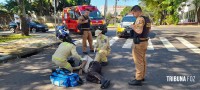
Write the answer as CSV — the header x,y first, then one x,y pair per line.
x,y
197,9
42,7
108,18
12,6
165,11
125,11
1,6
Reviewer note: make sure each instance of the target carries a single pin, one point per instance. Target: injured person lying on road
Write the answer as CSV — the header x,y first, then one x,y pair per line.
x,y
93,71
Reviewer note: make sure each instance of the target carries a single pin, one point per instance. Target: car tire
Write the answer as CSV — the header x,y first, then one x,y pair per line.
x,y
12,30
118,35
33,30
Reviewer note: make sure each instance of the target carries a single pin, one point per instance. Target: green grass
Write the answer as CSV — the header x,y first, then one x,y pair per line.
x,y
12,37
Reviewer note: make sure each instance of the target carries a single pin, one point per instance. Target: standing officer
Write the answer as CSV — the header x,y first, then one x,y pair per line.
x,y
84,21
103,48
141,29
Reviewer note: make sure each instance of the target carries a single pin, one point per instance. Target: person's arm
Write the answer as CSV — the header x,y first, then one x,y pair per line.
x,y
81,67
81,20
139,24
75,54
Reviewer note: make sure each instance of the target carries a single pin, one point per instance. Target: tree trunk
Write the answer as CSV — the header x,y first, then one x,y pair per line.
x,y
198,15
24,25
40,7
161,18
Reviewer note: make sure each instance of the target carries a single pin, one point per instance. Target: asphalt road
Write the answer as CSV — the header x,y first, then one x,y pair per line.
x,y
170,53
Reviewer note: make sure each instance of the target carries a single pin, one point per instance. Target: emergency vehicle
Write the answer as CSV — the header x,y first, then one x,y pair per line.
x,y
70,17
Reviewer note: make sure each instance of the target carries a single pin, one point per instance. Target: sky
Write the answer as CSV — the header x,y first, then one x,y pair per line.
x,y
1,1
100,3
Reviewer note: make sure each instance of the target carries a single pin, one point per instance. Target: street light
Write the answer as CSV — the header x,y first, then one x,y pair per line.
x,y
55,4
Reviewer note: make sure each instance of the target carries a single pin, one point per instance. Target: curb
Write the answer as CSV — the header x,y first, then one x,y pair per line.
x,y
6,58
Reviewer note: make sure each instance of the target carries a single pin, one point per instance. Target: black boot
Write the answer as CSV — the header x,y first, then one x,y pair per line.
x,y
135,82
105,84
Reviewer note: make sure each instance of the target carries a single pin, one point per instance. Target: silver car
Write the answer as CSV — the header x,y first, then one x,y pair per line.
x,y
124,27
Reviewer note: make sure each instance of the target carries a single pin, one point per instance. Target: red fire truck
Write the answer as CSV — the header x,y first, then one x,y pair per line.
x,y
70,17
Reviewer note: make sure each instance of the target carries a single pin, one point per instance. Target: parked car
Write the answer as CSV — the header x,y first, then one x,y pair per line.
x,y
34,27
124,28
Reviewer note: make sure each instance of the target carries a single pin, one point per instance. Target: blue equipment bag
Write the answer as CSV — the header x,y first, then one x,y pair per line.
x,y
64,78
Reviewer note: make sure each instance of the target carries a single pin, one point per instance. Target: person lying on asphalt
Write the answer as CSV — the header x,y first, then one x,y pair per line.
x,y
93,70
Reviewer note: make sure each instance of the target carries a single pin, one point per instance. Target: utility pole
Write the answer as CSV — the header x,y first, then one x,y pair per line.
x,y
115,13
105,8
54,5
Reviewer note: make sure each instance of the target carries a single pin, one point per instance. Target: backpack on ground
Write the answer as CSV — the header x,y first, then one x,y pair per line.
x,y
64,78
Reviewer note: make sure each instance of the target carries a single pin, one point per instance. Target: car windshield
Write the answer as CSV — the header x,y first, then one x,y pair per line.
x,y
94,15
128,19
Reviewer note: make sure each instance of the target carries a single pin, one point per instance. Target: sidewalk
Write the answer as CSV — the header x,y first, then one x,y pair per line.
x,y
19,48
176,27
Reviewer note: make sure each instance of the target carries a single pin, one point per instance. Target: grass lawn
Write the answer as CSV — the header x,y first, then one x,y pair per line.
x,y
12,37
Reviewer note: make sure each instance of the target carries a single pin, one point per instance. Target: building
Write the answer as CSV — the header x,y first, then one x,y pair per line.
x,y
187,12
111,9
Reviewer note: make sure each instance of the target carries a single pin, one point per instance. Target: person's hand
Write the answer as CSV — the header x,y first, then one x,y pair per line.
x,y
80,72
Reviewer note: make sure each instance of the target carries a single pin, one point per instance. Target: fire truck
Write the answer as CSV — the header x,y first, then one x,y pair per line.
x,y
70,17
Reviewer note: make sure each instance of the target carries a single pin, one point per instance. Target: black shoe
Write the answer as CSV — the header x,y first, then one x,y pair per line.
x,y
135,82
105,84
92,51
85,53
